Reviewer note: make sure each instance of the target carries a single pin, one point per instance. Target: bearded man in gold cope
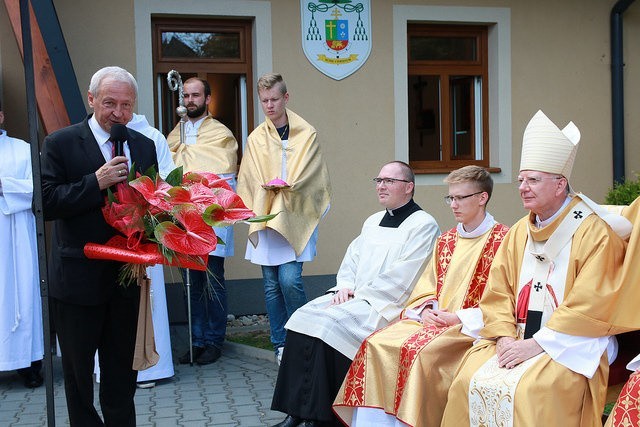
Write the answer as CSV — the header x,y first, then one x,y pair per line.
x,y
209,146
549,304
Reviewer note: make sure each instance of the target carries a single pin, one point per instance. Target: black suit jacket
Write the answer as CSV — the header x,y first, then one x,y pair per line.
x,y
72,198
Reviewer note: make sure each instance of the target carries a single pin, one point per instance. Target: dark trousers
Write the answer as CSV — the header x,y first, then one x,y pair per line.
x,y
110,328
309,379
208,304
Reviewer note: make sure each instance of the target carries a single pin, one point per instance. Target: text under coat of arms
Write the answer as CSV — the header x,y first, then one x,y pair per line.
x,y
336,35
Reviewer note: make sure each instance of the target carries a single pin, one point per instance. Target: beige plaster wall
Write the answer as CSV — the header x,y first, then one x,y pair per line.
x,y
560,62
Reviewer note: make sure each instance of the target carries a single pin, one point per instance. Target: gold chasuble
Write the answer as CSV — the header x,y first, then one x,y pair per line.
x,y
626,412
406,368
301,205
215,150
546,393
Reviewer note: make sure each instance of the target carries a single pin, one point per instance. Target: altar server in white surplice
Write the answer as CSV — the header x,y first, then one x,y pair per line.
x,y
21,339
374,281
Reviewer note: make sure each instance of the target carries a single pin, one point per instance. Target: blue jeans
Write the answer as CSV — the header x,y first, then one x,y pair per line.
x,y
208,304
283,294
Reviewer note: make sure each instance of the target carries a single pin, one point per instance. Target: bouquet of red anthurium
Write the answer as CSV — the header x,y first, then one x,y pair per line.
x,y
168,221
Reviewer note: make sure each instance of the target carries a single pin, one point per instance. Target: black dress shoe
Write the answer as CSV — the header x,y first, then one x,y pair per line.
x,y
309,423
209,355
32,379
197,351
290,421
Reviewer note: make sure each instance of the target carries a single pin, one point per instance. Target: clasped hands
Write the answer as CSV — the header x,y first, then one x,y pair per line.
x,y
512,352
114,171
439,318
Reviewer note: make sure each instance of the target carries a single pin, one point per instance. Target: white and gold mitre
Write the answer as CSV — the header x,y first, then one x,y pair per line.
x,y
546,148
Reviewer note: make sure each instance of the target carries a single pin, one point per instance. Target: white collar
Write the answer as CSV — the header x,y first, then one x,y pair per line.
x,y
101,135
540,223
196,125
484,226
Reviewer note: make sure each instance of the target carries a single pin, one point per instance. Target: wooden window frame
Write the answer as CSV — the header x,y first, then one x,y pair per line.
x,y
203,66
444,69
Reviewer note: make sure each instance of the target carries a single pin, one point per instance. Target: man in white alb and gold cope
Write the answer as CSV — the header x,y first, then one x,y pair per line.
x,y
549,302
283,172
209,146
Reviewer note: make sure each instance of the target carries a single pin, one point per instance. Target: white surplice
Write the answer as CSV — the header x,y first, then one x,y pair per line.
x,y
21,337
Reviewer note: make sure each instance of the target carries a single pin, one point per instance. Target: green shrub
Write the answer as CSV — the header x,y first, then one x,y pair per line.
x,y
625,193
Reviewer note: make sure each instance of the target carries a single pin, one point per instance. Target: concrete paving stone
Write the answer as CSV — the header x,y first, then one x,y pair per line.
x,y
216,398
164,413
9,416
201,423
242,399
17,396
266,393
193,415
29,418
250,421
26,424
163,391
218,418
30,409
164,402
10,406
264,403
238,375
165,422
142,419
245,410
190,395
143,399
191,404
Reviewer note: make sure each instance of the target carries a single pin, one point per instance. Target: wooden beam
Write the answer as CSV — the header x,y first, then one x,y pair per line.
x,y
53,113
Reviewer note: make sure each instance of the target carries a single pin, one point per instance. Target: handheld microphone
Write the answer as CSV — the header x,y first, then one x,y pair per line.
x,y
118,136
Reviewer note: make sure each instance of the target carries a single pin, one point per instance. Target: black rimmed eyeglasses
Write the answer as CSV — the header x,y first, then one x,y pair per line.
x,y
449,199
388,181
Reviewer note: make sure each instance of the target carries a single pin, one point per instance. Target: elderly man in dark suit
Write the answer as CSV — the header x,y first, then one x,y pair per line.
x,y
90,310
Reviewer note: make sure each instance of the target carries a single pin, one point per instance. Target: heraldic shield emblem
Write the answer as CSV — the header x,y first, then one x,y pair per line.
x,y
336,35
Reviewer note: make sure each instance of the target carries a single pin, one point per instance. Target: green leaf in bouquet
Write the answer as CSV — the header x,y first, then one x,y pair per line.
x,y
175,177
110,196
262,218
151,172
132,172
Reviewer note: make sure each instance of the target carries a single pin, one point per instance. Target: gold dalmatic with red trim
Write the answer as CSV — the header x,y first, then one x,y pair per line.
x,y
398,347
626,412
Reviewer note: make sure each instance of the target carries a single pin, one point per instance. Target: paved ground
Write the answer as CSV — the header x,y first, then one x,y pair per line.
x,y
234,391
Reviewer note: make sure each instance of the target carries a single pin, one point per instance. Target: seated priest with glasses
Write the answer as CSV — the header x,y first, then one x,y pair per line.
x,y
373,284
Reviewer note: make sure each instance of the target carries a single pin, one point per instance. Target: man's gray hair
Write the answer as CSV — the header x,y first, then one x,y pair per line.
x,y
116,73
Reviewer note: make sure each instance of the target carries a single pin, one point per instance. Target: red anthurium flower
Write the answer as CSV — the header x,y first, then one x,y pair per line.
x,y
229,209
155,192
195,238
208,179
127,212
196,194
